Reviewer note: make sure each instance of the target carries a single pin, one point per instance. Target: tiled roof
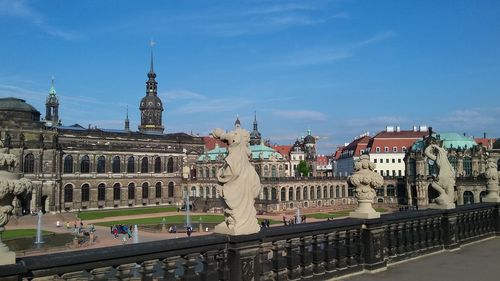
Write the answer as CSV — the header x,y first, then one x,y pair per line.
x,y
210,143
394,141
356,146
283,149
486,142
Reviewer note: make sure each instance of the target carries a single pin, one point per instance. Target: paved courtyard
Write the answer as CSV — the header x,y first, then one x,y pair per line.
x,y
476,262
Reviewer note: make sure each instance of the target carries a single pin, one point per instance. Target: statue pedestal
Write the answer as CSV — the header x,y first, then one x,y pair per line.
x,y
442,206
365,211
6,256
491,199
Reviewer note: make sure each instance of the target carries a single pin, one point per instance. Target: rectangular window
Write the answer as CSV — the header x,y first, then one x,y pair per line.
x,y
399,173
403,149
387,172
387,160
377,149
393,173
381,172
399,160
386,149
395,149
393,160
374,160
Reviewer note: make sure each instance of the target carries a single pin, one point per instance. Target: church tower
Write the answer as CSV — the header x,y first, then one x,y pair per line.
x,y
255,136
127,122
52,107
151,106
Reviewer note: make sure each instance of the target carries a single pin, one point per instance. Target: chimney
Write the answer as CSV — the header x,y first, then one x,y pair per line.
x,y
398,129
389,129
414,128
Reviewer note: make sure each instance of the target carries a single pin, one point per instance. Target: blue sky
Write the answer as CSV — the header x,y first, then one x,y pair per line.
x,y
339,67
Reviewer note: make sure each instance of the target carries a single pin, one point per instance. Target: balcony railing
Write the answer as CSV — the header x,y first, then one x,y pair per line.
x,y
322,250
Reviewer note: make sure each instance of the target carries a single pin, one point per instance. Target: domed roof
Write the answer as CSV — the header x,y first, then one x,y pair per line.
x,y
450,140
15,104
151,102
258,151
309,138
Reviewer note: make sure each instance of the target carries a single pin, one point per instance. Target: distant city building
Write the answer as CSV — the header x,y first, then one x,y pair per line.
x,y
349,153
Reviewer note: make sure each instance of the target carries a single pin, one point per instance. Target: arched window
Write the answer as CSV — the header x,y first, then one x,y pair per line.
x,y
29,164
214,192
453,162
170,165
350,191
131,165
202,172
116,165
116,191
193,192
290,194
273,193
273,171
157,165
343,190
158,190
85,165
85,193
207,191
265,192
214,172
331,192
311,193
207,172
101,165
325,192
145,190
391,190
283,194
318,192
337,192
144,165
305,194
131,191
68,164
170,189
412,167
467,166
297,194
379,191
266,171
468,197
68,193
101,192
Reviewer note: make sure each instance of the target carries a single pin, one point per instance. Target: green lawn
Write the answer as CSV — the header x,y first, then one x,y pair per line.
x,y
178,219
168,220
21,233
92,215
337,214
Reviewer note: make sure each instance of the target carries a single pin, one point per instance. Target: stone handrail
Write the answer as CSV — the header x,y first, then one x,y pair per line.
x,y
321,249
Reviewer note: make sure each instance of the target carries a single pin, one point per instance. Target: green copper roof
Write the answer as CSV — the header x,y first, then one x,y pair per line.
x,y
258,151
450,140
52,90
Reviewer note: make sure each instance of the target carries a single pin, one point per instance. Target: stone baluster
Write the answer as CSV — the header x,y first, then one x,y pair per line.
x,y
401,238
450,230
428,233
265,263
340,246
318,247
409,237
189,263
293,258
222,265
101,273
306,265
358,241
279,260
392,232
125,271
417,236
76,276
148,269
170,266
374,250
330,261
350,249
437,235
210,270
461,227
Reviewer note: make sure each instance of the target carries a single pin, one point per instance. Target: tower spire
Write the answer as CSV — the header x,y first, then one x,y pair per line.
x,y
52,106
255,121
127,122
151,44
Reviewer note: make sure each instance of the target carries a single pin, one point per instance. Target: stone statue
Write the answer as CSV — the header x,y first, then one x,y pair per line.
x,y
491,175
365,180
10,186
444,183
240,185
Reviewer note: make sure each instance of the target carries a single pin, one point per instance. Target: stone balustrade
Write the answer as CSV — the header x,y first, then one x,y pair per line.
x,y
321,250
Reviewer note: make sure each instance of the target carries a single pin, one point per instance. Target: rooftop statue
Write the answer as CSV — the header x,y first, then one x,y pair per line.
x,y
239,185
444,182
365,180
11,186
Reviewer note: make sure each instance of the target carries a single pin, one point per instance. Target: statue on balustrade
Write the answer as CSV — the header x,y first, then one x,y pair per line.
x,y
11,186
365,180
491,175
444,182
239,185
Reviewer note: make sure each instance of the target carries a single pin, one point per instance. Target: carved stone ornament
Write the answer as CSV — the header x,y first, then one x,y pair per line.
x,y
365,180
491,175
444,182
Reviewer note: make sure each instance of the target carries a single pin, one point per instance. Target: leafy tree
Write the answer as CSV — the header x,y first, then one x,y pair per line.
x,y
303,168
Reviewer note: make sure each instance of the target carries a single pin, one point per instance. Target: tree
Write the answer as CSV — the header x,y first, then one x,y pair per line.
x,y
303,168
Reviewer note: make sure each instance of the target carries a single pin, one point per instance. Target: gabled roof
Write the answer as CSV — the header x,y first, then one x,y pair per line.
x,y
355,146
394,139
283,149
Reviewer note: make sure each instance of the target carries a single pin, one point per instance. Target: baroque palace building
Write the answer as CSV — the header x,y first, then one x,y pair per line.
x,y
76,168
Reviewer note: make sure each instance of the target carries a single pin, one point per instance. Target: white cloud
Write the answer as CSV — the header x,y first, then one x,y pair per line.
x,y
21,9
301,114
181,94
213,106
469,119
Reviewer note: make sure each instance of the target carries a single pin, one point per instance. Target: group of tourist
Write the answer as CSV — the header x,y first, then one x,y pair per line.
x,y
264,223
126,230
293,220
